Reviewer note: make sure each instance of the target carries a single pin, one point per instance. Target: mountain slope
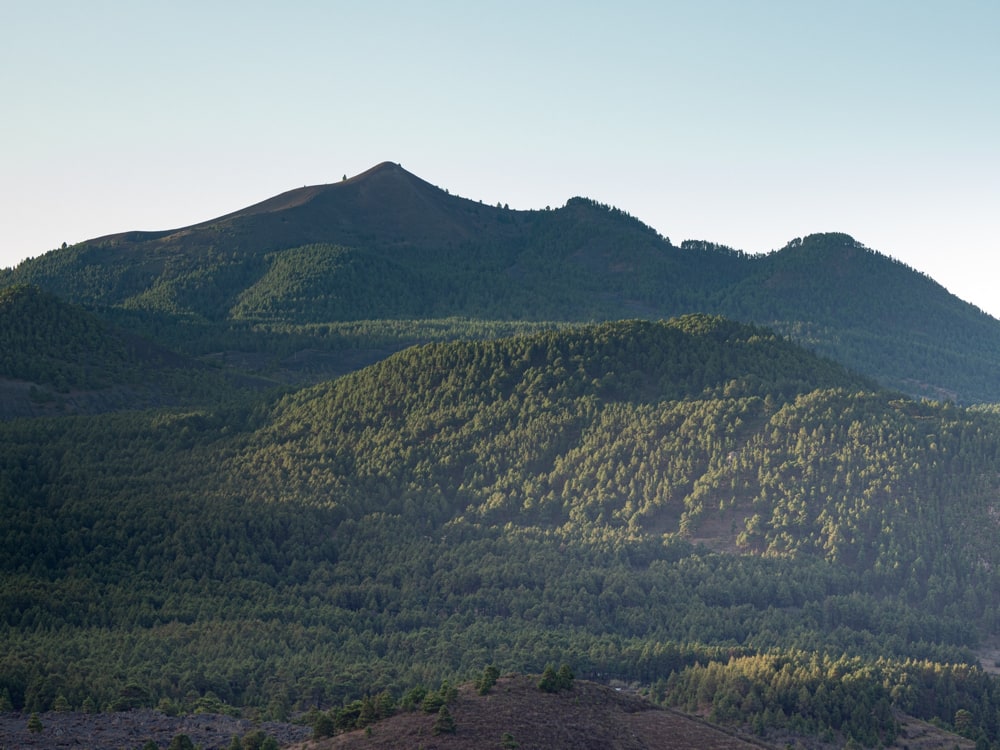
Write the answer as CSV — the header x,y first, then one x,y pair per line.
x,y
587,716
386,244
202,267
520,501
873,314
639,427
56,358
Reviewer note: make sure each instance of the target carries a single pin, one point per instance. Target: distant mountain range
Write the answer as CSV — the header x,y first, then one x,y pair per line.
x,y
332,455
388,246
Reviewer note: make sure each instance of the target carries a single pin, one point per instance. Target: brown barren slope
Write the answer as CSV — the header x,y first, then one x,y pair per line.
x,y
587,717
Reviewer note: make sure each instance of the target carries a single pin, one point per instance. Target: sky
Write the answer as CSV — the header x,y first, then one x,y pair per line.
x,y
743,122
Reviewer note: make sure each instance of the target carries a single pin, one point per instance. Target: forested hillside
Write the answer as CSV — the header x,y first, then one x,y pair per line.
x,y
386,245
56,358
697,506
871,313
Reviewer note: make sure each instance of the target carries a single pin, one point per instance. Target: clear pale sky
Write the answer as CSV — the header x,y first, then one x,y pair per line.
x,y
743,122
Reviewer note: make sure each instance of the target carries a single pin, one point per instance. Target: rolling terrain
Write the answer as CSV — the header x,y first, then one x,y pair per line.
x,y
324,457
283,276
517,501
515,711
59,359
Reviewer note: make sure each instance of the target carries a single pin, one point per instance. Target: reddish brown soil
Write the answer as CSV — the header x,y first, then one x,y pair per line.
x,y
131,730
588,717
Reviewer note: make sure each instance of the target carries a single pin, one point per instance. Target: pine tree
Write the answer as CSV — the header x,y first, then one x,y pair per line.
x,y
181,742
323,726
549,682
368,713
34,724
385,706
564,677
444,722
488,679
552,681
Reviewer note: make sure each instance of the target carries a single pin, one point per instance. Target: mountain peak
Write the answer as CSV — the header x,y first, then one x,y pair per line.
x,y
386,167
386,176
824,240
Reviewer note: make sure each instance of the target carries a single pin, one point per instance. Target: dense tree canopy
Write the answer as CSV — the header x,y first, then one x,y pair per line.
x,y
569,496
387,245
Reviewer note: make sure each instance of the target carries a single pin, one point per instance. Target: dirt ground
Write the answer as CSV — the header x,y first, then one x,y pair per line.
x,y
132,729
588,717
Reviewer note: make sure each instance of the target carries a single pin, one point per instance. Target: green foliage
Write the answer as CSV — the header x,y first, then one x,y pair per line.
x,y
854,698
564,677
410,251
573,495
258,739
548,682
413,697
77,363
385,705
825,290
511,501
434,700
180,742
487,680
323,283
444,723
48,342
34,724
552,681
963,722
356,714
323,725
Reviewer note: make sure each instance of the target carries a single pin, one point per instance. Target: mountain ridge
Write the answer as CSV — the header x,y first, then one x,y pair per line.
x,y
386,244
505,440
386,184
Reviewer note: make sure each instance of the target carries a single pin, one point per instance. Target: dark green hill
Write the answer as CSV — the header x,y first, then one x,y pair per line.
x,y
58,358
699,426
872,313
48,342
521,501
388,245
385,212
